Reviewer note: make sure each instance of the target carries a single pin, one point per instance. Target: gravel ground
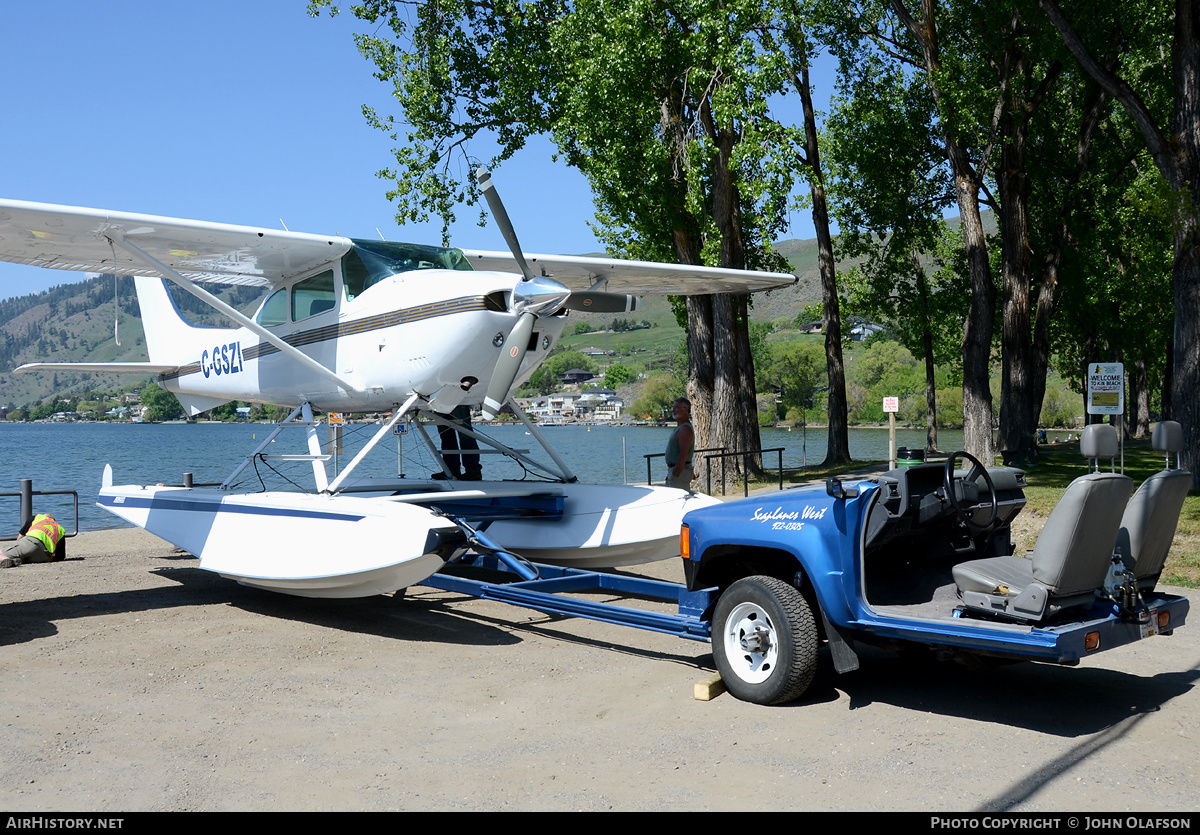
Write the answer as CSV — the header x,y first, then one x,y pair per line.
x,y
135,681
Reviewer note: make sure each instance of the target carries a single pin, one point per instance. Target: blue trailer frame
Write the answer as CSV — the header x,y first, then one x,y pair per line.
x,y
546,589
778,574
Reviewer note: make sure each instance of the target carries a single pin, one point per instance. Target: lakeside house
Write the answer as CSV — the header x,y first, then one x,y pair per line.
x,y
599,404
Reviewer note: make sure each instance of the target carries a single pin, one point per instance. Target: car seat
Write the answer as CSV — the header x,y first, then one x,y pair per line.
x,y
1073,553
1149,522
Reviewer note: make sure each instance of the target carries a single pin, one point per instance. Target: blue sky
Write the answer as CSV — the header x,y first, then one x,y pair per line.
x,y
237,112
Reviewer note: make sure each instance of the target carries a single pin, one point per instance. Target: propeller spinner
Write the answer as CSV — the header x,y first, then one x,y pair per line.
x,y
535,296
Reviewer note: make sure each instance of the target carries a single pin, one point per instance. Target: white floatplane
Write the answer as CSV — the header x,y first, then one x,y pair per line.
x,y
365,326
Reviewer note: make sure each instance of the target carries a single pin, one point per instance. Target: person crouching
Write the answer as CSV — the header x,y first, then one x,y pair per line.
x,y
40,541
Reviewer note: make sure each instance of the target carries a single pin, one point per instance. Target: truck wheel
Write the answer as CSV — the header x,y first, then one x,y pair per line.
x,y
764,641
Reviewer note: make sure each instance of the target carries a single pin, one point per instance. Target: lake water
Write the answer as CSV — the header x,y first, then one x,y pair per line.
x,y
72,456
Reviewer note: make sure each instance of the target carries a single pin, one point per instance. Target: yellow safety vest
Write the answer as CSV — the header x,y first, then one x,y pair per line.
x,y
46,531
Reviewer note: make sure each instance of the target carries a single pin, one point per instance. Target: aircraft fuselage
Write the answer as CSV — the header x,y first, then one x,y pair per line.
x,y
434,332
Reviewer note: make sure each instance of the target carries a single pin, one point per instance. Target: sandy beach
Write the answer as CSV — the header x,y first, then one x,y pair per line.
x,y
135,681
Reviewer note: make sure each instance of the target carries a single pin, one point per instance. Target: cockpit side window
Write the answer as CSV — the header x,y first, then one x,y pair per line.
x,y
370,262
313,295
274,310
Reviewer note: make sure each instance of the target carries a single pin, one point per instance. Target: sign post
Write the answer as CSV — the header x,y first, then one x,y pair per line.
x,y
1106,395
400,430
333,437
891,405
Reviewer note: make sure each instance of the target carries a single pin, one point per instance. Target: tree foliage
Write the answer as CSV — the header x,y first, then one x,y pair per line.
x,y
890,189
796,371
986,95
655,398
160,404
617,375
665,107
1066,121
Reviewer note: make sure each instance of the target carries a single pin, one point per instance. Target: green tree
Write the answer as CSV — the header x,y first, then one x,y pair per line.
x,y
665,107
225,412
811,313
548,377
42,410
797,370
888,197
1117,293
935,47
1173,140
617,375
1016,124
654,401
160,404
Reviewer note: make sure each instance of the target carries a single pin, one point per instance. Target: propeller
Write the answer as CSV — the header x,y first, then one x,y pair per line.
x,y
501,216
535,296
508,365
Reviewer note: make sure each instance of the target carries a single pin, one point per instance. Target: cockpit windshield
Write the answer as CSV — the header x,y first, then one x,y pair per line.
x,y
370,262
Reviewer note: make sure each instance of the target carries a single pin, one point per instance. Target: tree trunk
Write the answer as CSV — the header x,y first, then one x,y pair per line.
x,y
1139,399
700,375
1091,355
727,424
735,406
752,438
838,444
1017,421
1022,387
931,425
977,330
1166,410
1185,404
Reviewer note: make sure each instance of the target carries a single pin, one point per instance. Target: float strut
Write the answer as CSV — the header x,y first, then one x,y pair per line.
x,y
522,568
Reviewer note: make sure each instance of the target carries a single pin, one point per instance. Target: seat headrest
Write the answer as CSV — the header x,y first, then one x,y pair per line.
x,y
1098,440
1168,437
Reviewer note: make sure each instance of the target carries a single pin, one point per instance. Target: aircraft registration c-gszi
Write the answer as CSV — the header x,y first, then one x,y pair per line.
x,y
365,326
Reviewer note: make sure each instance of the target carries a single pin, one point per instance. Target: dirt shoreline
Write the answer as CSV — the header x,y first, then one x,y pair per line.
x,y
135,681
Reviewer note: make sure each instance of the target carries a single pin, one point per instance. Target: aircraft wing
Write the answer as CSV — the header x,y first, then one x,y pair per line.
x,y
637,278
73,238
142,368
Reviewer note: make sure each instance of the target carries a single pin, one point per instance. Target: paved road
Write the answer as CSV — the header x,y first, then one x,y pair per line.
x,y
136,681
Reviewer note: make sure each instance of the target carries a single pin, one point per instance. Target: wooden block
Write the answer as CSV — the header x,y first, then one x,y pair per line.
x,y
708,689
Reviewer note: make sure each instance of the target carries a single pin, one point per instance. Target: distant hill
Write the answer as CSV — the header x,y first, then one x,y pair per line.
x,y
74,322
802,255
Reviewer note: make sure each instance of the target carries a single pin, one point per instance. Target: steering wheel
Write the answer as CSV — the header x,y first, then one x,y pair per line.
x,y
970,492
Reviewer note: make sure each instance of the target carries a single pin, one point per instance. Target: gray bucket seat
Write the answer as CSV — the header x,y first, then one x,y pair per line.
x,y
1150,519
1072,556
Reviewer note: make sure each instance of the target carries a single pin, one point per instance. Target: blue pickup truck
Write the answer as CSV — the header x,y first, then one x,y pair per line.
x,y
923,555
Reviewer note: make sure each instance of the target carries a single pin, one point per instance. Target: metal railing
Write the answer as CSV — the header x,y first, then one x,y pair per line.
x,y
720,453
746,481
649,474
26,494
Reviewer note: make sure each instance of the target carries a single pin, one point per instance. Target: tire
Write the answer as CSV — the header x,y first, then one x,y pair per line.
x,y
778,662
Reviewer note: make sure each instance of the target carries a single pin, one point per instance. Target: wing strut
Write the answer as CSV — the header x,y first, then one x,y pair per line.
x,y
306,420
567,475
370,445
118,238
